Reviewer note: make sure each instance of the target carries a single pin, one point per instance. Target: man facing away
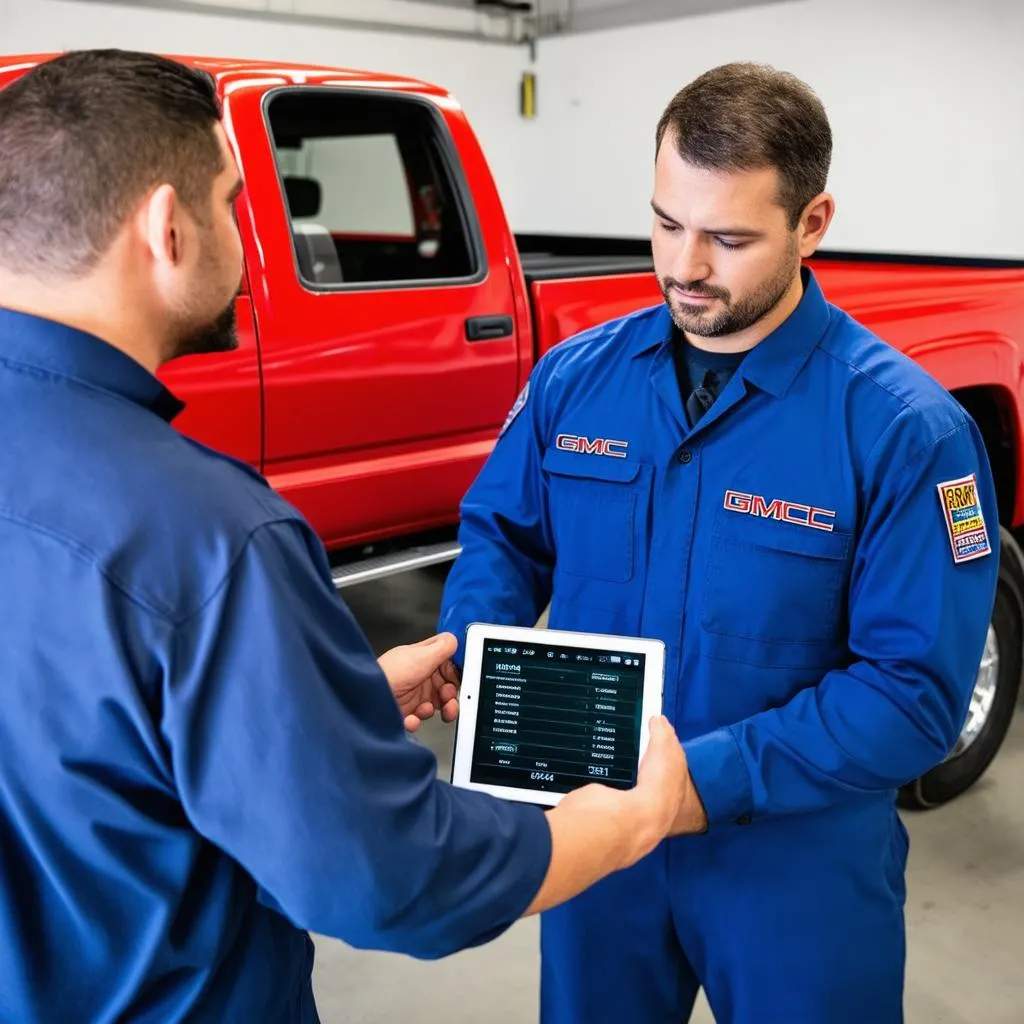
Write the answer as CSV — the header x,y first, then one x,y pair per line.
x,y
200,758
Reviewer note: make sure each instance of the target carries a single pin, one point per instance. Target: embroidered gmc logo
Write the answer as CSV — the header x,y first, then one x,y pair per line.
x,y
592,446
784,511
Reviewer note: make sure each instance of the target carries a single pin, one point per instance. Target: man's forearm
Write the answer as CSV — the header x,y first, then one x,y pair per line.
x,y
864,729
593,835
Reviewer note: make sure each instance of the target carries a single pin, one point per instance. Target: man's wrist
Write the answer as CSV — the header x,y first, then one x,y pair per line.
x,y
643,825
692,818
632,827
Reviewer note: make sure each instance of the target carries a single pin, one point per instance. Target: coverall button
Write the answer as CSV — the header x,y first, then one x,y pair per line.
x,y
684,455
744,819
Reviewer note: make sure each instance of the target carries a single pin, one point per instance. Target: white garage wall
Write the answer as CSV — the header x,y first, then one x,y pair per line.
x,y
484,76
926,99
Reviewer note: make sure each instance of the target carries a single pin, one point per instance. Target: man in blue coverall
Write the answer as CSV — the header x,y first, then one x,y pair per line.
x,y
200,757
808,521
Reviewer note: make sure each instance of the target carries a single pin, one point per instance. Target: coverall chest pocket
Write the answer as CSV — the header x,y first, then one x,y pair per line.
x,y
774,592
598,505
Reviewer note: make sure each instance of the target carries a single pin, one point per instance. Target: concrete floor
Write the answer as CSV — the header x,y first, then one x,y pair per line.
x,y
965,908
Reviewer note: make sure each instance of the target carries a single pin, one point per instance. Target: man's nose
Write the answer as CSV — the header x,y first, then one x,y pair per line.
x,y
691,263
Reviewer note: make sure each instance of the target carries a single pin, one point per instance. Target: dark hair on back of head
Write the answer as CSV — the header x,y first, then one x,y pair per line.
x,y
83,137
742,116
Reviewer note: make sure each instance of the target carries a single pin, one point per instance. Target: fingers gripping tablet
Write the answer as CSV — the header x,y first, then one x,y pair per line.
x,y
544,712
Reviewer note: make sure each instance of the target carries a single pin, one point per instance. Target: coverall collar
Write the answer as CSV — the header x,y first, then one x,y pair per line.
x,y
773,364
56,349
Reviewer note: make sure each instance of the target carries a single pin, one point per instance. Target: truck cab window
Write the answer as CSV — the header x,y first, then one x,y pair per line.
x,y
369,188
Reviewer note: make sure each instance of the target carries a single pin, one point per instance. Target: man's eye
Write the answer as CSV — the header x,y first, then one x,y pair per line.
x,y
668,227
729,245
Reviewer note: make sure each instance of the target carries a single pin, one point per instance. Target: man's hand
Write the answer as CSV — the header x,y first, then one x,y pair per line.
x,y
596,830
658,806
665,773
423,679
665,796
663,783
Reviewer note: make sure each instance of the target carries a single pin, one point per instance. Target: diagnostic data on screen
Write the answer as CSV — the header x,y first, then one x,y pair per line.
x,y
556,718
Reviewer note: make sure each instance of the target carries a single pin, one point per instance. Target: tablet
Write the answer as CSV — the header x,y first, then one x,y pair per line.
x,y
543,712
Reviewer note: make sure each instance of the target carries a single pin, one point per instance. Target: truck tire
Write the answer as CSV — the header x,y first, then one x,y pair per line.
x,y
995,694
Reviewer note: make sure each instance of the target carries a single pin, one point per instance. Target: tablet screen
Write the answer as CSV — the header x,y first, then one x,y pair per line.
x,y
556,718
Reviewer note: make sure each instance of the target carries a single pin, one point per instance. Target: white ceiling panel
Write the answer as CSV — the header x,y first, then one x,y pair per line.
x,y
498,20
593,15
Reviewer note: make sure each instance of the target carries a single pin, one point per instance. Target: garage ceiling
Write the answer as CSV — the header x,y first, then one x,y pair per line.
x,y
511,21
590,15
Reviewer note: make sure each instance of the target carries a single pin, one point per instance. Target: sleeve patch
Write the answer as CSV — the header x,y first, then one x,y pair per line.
x,y
965,521
516,409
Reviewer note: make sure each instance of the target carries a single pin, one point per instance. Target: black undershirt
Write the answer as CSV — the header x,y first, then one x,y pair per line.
x,y
701,375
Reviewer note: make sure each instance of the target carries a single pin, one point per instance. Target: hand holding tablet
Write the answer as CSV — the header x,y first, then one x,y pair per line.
x,y
564,720
545,712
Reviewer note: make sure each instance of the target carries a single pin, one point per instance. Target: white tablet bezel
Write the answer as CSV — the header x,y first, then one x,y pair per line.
x,y
469,693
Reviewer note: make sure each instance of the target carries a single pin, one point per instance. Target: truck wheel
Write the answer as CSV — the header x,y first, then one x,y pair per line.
x,y
995,694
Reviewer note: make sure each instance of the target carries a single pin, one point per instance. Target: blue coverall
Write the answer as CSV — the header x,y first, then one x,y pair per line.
x,y
199,755
823,624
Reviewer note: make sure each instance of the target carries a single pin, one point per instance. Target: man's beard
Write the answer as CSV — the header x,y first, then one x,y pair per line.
x,y
219,335
734,317
196,336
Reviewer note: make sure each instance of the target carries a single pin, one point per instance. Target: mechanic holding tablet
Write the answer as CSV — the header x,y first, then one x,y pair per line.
x,y
200,756
808,521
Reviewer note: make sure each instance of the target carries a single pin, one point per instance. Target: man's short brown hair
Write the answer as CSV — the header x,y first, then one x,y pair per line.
x,y
83,137
742,117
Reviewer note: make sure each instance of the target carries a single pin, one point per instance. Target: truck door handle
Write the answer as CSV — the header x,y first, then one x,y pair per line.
x,y
486,328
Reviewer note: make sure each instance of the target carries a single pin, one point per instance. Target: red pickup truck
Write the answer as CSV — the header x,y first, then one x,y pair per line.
x,y
389,317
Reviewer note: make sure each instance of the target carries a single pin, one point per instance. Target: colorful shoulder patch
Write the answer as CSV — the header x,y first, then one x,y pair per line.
x,y
965,521
516,409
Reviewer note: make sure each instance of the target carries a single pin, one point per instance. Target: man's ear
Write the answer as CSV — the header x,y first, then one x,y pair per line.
x,y
814,222
162,225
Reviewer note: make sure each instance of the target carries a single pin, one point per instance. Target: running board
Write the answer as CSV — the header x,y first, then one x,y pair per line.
x,y
392,564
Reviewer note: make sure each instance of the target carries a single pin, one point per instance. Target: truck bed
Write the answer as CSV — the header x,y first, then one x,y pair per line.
x,y
560,272
559,257
545,267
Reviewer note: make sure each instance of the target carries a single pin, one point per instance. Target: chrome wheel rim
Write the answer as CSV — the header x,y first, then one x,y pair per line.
x,y
983,697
